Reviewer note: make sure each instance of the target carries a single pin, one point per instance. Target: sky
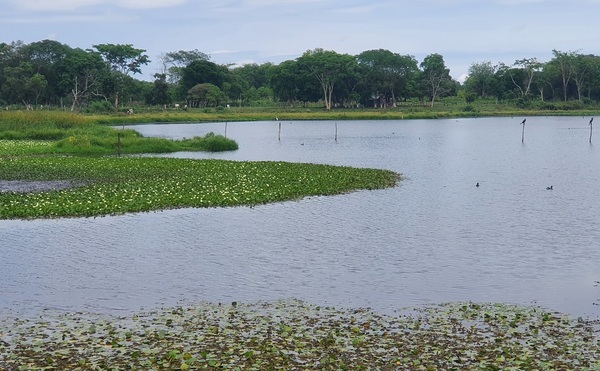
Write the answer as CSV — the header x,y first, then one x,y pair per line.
x,y
259,31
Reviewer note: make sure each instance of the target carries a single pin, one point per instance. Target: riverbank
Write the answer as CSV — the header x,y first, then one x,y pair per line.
x,y
295,114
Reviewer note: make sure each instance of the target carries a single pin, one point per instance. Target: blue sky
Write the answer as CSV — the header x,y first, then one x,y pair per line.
x,y
258,31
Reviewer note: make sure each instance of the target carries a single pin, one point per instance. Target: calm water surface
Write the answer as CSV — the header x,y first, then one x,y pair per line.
x,y
434,238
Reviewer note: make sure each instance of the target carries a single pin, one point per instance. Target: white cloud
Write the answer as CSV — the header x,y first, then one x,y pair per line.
x,y
69,5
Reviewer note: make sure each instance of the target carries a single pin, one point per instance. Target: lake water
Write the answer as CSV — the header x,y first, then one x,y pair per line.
x,y
434,238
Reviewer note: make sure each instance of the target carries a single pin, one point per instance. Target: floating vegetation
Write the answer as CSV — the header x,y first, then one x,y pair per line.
x,y
23,147
293,335
106,186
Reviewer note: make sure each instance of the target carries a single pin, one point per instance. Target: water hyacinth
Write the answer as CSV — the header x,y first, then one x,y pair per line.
x,y
294,335
105,186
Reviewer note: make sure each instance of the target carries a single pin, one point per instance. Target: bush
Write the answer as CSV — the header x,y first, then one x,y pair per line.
x,y
100,106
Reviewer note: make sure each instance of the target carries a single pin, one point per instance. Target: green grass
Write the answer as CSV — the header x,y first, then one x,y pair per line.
x,y
124,185
75,134
292,335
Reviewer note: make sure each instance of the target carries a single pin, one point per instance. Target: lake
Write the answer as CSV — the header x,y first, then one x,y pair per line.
x,y
434,238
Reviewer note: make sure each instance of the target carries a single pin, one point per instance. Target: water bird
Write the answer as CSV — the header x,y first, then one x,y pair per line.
x,y
477,185
550,188
591,120
523,122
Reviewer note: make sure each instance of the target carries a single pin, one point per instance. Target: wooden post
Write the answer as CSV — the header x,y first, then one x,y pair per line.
x,y
336,132
523,131
279,137
225,129
591,120
118,144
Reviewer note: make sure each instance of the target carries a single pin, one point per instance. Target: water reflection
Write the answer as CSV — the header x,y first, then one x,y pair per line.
x,y
435,238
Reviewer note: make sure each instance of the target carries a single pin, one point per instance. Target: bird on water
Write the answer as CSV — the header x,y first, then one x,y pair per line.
x,y
550,188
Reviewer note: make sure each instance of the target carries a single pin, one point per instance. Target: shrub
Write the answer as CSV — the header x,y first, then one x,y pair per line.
x,y
100,106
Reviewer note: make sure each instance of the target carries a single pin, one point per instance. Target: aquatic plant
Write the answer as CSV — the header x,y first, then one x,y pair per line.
x,y
104,186
293,335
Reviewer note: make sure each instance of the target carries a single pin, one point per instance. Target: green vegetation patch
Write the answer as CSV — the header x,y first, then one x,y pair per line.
x,y
67,133
293,335
104,186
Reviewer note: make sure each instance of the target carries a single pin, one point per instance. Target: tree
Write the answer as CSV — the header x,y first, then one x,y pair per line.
x,y
481,78
565,63
173,63
80,75
122,59
527,68
199,72
328,67
284,79
435,76
543,78
38,85
584,69
205,95
44,57
16,82
159,93
389,74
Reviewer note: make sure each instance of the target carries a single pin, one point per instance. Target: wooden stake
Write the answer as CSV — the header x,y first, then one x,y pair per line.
x,y
591,120
118,144
225,129
523,131
279,137
336,132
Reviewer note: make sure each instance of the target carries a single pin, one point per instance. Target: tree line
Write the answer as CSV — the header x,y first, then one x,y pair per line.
x,y
103,78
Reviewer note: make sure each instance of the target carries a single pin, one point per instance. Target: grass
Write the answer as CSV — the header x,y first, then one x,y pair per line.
x,y
110,186
293,335
82,136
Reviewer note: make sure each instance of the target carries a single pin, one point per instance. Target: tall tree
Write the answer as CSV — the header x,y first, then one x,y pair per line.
x,y
389,74
527,67
80,75
173,63
481,78
284,79
200,72
123,59
565,62
435,76
159,94
328,67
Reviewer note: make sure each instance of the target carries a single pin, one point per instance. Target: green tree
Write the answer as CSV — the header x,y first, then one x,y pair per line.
x,y
16,81
80,76
435,77
543,78
199,72
284,79
123,59
565,63
37,85
523,76
328,67
481,79
159,94
206,95
173,63
388,74
44,57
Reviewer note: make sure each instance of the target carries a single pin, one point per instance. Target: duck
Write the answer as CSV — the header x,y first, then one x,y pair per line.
x,y
550,188
477,185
